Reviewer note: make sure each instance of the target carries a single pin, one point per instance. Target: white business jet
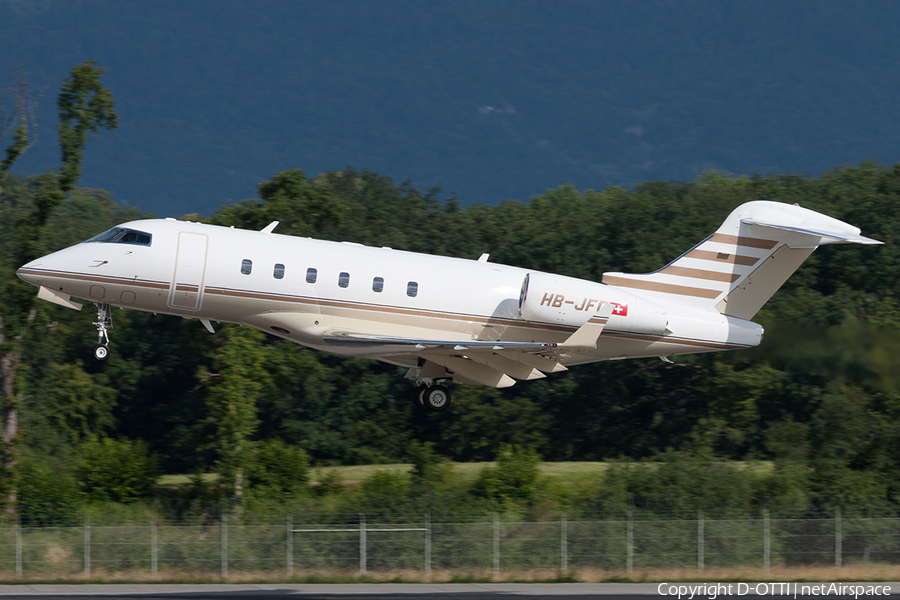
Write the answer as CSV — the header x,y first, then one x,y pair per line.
x,y
469,321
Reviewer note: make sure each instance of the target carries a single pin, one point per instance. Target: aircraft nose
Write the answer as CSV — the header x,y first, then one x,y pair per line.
x,y
31,272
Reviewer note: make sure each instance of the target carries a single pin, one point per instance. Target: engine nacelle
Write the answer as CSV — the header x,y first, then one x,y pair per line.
x,y
547,298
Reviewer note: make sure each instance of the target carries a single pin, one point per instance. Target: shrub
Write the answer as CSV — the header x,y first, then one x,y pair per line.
x,y
44,482
278,471
429,469
109,470
514,479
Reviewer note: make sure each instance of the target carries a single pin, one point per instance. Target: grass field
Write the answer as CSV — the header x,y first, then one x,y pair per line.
x,y
562,472
557,472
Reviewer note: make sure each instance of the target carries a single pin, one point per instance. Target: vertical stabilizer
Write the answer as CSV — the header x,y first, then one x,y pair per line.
x,y
739,267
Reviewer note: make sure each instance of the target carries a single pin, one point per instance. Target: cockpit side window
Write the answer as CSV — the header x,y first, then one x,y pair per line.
x,y
107,236
120,235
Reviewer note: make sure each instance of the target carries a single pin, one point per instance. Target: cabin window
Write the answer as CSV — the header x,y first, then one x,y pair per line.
x,y
311,275
344,279
378,284
412,289
246,266
279,271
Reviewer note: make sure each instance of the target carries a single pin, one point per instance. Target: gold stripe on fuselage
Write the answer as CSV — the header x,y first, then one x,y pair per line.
x,y
525,329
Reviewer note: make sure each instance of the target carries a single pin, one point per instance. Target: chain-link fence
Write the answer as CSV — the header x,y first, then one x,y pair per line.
x,y
229,544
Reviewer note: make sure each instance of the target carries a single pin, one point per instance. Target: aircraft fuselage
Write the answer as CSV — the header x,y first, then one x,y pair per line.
x,y
308,290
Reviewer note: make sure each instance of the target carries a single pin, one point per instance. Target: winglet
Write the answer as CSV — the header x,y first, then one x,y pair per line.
x,y
587,335
270,227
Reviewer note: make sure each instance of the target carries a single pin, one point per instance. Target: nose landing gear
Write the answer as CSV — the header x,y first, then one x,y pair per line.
x,y
104,324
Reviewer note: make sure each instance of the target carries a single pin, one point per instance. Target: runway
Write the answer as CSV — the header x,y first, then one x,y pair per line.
x,y
371,591
359,591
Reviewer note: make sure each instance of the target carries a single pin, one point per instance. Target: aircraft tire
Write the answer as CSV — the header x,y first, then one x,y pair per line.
x,y
420,391
436,398
101,352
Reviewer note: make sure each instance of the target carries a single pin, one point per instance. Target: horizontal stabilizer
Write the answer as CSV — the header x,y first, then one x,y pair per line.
x,y
831,236
739,267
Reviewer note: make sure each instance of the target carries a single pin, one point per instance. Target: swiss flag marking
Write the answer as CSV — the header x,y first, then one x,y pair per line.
x,y
620,309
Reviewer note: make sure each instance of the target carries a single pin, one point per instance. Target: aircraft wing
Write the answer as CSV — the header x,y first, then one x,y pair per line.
x,y
359,339
493,363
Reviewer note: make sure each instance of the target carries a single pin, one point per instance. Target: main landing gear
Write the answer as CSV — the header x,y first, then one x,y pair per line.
x,y
104,324
433,397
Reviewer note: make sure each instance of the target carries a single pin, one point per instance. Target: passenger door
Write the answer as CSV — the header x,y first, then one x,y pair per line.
x,y
186,291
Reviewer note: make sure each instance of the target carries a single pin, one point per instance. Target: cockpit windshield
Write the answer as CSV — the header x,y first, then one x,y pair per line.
x,y
120,235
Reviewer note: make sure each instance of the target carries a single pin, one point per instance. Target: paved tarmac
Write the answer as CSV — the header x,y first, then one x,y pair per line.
x,y
374,591
368,591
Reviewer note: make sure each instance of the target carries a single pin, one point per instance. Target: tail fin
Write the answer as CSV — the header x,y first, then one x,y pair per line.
x,y
739,267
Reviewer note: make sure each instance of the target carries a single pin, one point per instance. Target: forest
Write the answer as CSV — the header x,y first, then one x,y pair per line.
x,y
818,401
820,395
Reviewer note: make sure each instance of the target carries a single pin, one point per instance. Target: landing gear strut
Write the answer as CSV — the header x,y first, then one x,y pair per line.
x,y
435,397
104,324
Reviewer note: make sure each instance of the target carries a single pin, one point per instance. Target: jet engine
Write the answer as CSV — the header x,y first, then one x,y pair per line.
x,y
547,298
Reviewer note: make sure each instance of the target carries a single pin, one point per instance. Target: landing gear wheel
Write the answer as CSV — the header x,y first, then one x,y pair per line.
x,y
436,398
101,352
420,391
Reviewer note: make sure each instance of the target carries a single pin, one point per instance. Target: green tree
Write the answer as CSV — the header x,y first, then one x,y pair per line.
x,y
84,106
301,207
233,389
20,121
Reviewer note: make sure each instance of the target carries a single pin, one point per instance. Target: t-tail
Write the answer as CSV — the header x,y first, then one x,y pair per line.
x,y
739,267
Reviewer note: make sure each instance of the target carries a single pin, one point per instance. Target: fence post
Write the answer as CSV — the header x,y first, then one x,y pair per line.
x,y
700,548
224,533
362,543
154,546
428,542
766,539
837,536
496,544
18,546
290,547
629,537
563,544
87,545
